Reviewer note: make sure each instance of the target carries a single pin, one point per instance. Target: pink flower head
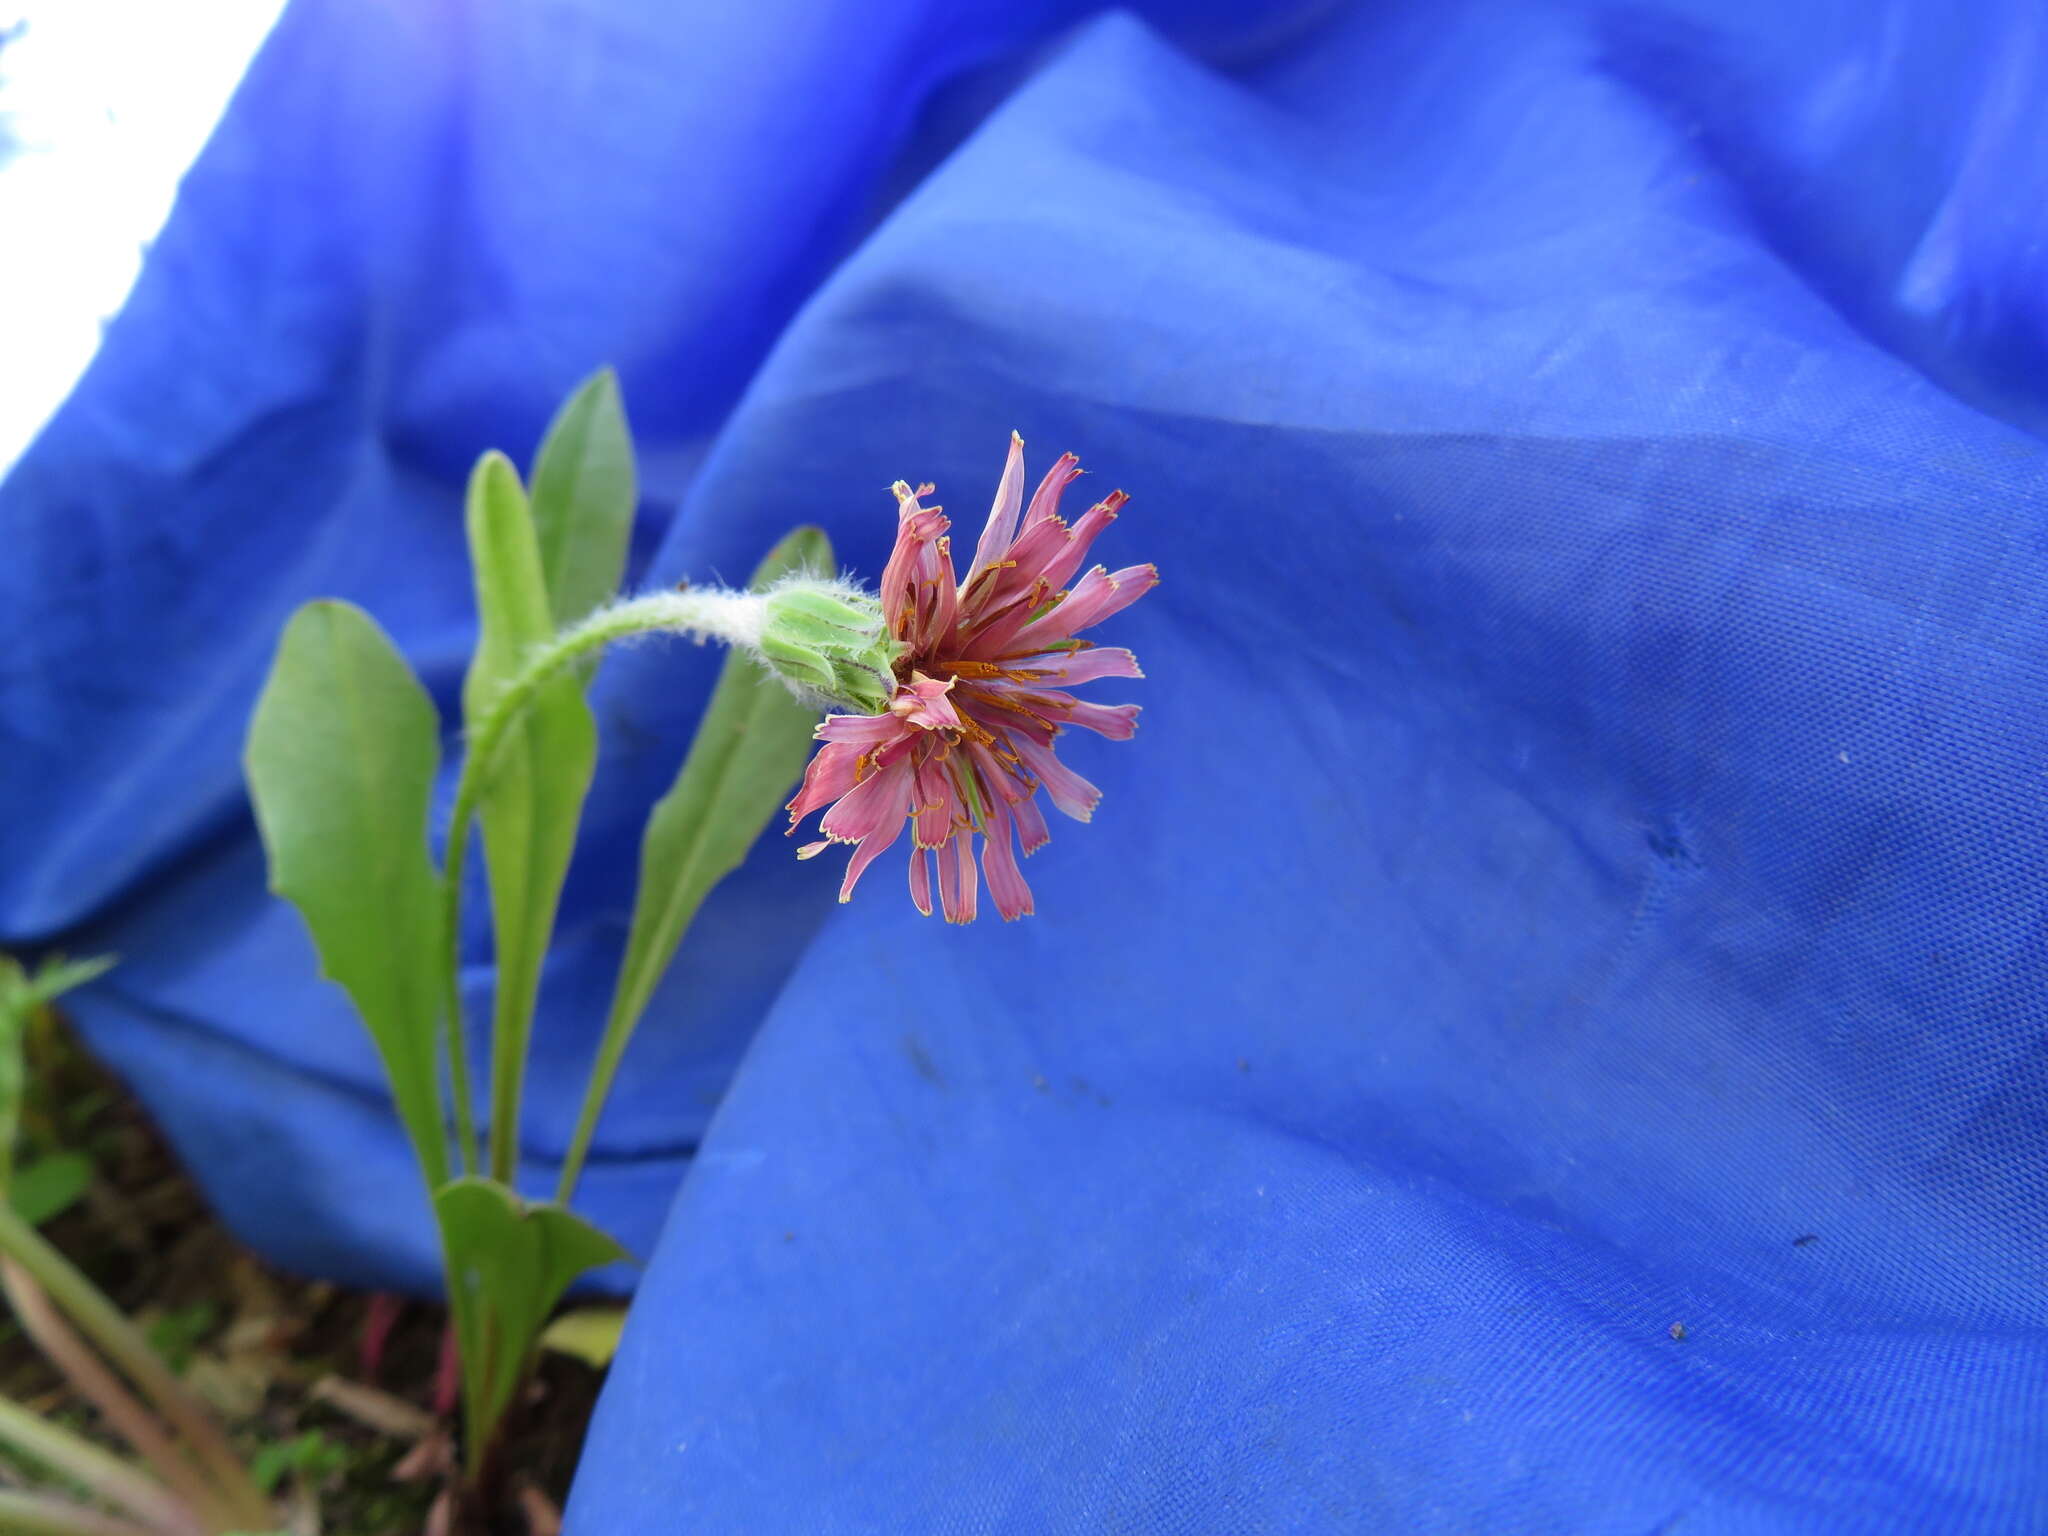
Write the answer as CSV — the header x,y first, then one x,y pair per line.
x,y
967,742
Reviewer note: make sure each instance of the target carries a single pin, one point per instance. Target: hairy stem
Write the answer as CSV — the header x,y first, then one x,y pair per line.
x,y
733,617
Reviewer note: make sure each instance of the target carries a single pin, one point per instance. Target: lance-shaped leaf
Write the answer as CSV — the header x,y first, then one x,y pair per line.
x,y
510,1263
749,749
533,791
340,762
584,494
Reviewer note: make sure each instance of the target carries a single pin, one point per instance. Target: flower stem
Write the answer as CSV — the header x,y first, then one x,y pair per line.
x,y
125,1346
734,617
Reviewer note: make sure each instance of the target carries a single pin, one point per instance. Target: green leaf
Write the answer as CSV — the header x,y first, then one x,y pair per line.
x,y
749,749
340,762
49,1186
584,495
510,1262
589,1334
533,795
177,1334
311,1457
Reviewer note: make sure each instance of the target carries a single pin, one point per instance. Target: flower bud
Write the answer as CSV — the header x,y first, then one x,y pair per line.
x,y
828,639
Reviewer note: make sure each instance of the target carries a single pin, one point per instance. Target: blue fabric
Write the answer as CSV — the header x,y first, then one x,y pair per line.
x,y
1581,872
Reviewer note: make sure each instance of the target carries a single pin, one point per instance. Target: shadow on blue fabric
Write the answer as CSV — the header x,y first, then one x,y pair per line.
x,y
1582,870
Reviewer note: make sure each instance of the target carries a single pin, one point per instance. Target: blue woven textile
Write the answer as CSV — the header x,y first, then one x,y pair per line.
x,y
1546,1031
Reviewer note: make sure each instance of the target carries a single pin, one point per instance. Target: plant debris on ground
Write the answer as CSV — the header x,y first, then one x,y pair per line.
x,y
279,1357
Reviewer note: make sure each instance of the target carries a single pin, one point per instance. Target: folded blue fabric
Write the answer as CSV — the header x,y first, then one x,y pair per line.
x,y
1545,1032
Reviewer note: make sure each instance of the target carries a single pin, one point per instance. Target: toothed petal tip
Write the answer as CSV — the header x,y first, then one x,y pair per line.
x,y
980,657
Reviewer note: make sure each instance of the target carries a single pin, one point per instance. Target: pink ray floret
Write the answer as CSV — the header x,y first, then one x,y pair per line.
x,y
968,740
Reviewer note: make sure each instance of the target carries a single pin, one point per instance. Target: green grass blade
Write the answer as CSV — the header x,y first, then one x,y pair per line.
x,y
15,1010
56,976
21,994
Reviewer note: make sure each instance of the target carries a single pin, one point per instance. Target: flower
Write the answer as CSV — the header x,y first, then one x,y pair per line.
x,y
967,740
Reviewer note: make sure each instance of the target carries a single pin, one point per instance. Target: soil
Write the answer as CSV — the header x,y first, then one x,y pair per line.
x,y
282,1358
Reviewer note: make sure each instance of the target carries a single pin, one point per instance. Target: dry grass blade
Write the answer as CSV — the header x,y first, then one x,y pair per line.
x,y
374,1408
